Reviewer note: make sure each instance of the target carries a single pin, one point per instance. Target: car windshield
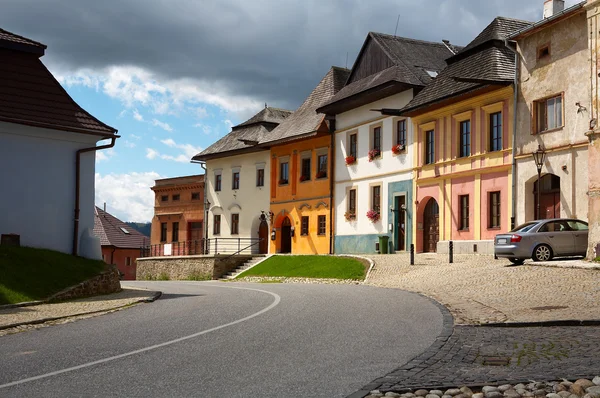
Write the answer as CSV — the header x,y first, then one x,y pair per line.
x,y
524,227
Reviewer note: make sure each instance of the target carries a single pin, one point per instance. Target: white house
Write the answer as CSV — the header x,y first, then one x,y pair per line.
x,y
373,148
237,185
47,155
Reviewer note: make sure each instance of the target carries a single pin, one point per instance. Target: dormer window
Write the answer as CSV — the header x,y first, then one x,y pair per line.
x,y
431,73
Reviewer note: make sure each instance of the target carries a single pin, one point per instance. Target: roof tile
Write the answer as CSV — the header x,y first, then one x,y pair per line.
x,y
108,228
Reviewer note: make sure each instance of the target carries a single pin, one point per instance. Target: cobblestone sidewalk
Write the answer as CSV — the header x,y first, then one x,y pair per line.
x,y
478,289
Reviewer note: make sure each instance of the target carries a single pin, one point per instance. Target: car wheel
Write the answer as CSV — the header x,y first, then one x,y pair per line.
x,y
516,261
542,253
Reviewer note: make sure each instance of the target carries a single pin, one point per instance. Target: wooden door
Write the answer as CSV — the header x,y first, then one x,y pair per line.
x,y
400,228
286,236
431,226
195,244
263,235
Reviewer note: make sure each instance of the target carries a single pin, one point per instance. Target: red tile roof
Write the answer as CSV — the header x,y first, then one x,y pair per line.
x,y
30,95
109,229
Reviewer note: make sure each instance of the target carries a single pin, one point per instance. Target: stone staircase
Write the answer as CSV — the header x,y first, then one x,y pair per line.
x,y
256,259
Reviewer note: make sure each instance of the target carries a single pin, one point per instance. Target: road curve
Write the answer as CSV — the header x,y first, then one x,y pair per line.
x,y
209,339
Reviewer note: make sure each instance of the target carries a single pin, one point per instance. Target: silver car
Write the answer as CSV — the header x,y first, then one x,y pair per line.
x,y
541,240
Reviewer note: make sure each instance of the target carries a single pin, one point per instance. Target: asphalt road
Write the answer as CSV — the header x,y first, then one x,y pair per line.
x,y
214,339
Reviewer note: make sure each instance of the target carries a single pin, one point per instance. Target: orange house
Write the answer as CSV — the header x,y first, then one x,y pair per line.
x,y
301,175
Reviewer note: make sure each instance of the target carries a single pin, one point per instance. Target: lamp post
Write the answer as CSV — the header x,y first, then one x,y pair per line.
x,y
206,243
538,157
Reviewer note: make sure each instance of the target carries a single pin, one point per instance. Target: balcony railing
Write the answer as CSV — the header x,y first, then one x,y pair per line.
x,y
203,246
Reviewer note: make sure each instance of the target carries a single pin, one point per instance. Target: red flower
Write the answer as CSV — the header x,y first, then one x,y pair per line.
x,y
350,160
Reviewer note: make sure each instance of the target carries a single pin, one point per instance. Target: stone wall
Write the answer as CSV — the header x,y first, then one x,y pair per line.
x,y
187,267
466,247
105,283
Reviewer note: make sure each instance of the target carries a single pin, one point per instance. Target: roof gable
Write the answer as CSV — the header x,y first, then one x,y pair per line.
x,y
15,42
114,232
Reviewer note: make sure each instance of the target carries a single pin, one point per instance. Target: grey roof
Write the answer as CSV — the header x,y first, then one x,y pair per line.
x,y
305,120
13,41
246,135
410,58
579,7
108,228
485,61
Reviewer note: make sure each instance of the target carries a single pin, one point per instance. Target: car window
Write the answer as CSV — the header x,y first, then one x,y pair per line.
x,y
577,225
555,226
524,227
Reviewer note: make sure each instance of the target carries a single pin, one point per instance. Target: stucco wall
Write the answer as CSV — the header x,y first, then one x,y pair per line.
x,y
119,258
37,174
248,201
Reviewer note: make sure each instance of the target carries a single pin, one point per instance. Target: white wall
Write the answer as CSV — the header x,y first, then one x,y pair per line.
x,y
248,201
37,176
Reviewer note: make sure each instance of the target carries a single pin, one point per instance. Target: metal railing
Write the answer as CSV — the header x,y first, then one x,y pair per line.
x,y
203,246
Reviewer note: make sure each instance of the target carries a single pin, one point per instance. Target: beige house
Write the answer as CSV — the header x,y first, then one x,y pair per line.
x,y
553,114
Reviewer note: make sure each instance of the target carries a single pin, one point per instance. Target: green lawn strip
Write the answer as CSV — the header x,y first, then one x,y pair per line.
x,y
28,274
309,267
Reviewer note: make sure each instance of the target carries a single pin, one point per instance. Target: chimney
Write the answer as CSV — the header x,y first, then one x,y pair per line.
x,y
552,7
105,207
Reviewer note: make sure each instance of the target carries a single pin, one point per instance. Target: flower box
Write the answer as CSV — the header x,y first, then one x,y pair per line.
x,y
303,178
373,154
373,215
321,174
350,160
396,149
350,216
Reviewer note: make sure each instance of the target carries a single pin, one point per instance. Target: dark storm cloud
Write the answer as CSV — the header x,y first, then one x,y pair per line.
x,y
271,50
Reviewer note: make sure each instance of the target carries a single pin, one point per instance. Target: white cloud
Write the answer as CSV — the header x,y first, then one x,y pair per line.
x,y
169,142
135,137
189,151
105,155
228,123
122,113
127,196
137,116
129,144
151,153
162,125
205,128
201,112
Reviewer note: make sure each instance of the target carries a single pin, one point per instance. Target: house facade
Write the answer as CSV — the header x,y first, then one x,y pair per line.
x,y
178,220
373,176
47,154
301,174
237,185
121,244
463,124
553,115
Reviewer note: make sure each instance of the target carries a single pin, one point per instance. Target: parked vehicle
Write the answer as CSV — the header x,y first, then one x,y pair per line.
x,y
541,240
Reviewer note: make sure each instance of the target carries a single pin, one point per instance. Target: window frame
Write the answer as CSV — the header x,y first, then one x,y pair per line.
x,y
175,231
128,261
176,197
429,150
495,210
376,198
235,180
164,198
260,177
304,222
401,132
218,182
195,195
540,110
235,223
163,231
216,224
353,144
322,170
463,205
351,207
286,181
322,225
496,132
464,141
376,138
305,175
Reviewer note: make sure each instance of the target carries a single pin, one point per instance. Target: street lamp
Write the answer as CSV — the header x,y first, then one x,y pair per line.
x,y
538,157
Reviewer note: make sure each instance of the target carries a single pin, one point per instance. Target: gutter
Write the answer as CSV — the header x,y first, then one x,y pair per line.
x,y
331,180
546,20
203,165
514,137
75,250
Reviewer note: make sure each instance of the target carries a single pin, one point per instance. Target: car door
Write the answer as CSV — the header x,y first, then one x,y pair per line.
x,y
558,235
580,236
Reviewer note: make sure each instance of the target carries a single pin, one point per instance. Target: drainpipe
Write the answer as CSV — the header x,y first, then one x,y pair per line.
x,y
203,165
514,138
113,139
331,184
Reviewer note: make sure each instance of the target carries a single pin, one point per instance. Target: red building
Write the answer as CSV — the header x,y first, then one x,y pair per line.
x,y
121,244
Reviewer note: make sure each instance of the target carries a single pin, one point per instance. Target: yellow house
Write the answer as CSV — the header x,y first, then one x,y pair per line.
x,y
463,122
301,175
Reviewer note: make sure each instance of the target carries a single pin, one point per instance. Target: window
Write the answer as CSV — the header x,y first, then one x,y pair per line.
x,y
195,195
352,202
304,225
235,180
464,212
376,138
216,224
401,132
496,131
163,231
128,261
322,166
549,114
283,173
322,227
429,147
176,197
353,145
164,198
543,51
217,182
465,139
376,198
125,231
494,209
305,169
175,232
260,177
235,224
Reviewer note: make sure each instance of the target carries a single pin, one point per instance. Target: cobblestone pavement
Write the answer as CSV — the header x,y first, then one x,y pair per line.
x,y
12,318
478,289
466,357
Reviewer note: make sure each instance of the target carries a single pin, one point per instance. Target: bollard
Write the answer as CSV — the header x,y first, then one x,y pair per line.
x,y
412,254
451,251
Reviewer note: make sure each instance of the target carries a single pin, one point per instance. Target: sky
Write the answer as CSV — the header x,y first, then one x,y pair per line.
x,y
173,76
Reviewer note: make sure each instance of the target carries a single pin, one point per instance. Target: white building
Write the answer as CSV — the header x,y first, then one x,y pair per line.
x,y
388,72
238,185
47,149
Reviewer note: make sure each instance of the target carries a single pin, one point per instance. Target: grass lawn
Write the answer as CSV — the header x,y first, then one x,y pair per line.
x,y
309,267
28,274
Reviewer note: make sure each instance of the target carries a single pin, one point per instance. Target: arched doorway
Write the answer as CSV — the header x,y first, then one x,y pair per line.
x,y
263,235
431,226
549,197
286,236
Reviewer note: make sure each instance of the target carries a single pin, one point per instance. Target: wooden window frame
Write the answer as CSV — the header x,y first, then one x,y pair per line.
x,y
260,177
164,198
175,232
376,137
376,198
429,151
320,168
287,169
353,144
464,138
401,131
305,174
235,224
176,197
235,180
163,231
463,205
195,195
493,130
495,220
216,224
537,129
218,182
322,225
352,192
304,222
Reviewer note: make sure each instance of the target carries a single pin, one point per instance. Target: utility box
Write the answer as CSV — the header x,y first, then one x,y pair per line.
x,y
383,244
